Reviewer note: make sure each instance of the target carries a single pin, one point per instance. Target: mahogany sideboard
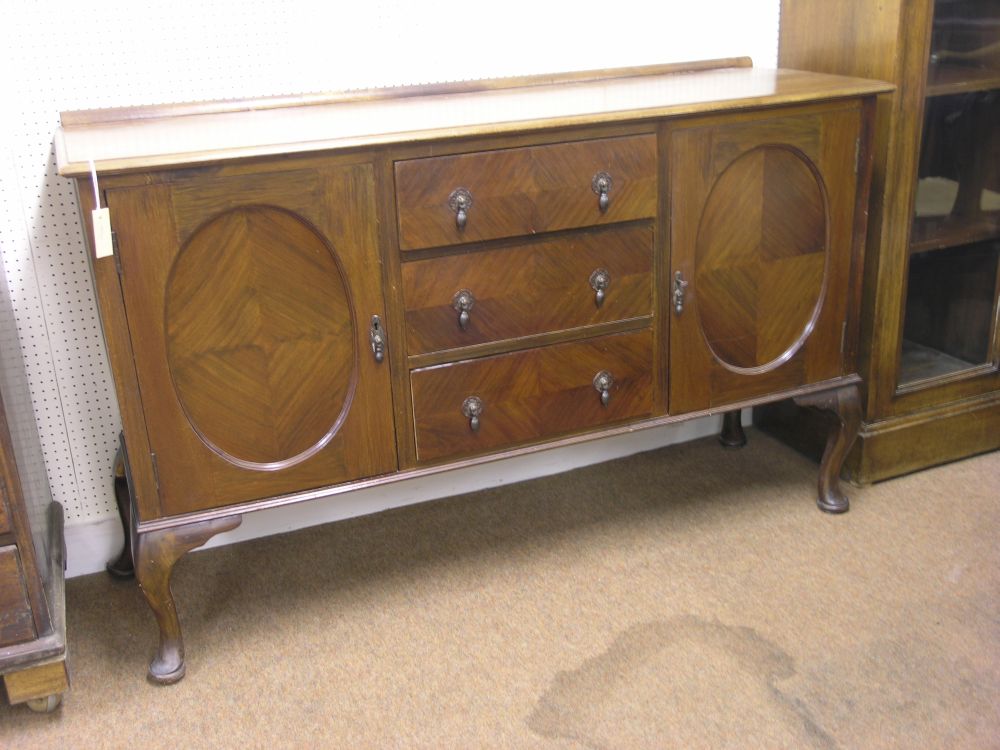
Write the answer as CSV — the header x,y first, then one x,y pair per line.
x,y
312,294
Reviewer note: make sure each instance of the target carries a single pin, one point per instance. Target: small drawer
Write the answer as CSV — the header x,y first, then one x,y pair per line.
x,y
565,282
16,624
486,404
519,191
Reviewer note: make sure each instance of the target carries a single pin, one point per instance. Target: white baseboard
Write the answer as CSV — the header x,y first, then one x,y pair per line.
x,y
90,546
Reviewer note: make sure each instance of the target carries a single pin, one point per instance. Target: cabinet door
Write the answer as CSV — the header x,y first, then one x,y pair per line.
x,y
249,299
761,243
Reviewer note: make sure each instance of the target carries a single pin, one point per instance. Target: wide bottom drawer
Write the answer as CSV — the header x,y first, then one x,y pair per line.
x,y
491,403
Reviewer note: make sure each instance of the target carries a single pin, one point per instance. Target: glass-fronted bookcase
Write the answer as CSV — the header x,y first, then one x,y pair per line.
x,y
950,315
930,347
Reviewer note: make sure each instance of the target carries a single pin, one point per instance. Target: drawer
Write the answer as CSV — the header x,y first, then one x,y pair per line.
x,y
531,395
16,624
527,289
524,190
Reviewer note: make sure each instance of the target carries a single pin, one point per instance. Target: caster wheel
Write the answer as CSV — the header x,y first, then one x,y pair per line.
x,y
45,705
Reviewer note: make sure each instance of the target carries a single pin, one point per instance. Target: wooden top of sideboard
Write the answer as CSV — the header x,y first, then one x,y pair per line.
x,y
153,137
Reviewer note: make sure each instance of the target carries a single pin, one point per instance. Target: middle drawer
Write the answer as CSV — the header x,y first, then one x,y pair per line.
x,y
566,282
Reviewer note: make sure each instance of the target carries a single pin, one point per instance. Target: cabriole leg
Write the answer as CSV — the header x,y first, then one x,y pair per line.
x,y
845,404
732,435
157,552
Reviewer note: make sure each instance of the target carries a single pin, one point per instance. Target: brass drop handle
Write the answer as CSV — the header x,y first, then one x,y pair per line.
x,y
679,286
600,280
472,407
602,384
463,302
376,336
601,184
460,201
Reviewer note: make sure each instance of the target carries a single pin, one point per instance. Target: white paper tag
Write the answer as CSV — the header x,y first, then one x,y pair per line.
x,y
103,246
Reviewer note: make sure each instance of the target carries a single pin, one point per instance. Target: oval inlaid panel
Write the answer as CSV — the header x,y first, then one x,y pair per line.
x,y
260,337
761,258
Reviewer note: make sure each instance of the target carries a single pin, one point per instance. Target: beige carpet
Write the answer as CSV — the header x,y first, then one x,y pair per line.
x,y
688,597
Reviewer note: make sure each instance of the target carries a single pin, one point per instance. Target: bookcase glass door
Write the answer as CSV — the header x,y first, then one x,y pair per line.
x,y
951,316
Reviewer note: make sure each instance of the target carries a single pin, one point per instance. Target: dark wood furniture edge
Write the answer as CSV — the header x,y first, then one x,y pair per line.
x,y
425,471
867,147
901,445
399,368
902,157
123,114
895,446
10,485
111,307
50,648
849,88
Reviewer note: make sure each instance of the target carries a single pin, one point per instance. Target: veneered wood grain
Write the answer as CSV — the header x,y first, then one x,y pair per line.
x,y
490,348
659,419
760,257
531,395
260,335
763,231
522,191
296,190
529,288
16,623
278,288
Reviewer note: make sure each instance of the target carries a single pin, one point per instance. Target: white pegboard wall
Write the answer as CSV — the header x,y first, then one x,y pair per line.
x,y
63,56
17,405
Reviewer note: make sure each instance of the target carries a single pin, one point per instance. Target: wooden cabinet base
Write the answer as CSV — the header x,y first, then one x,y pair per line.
x,y
158,547
893,447
34,671
896,446
40,686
